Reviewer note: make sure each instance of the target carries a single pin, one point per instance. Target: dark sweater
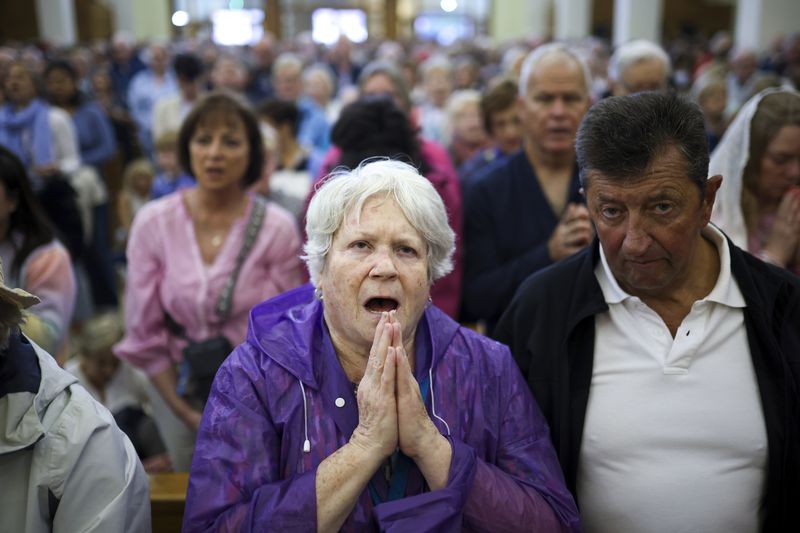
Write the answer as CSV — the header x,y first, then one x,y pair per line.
x,y
507,223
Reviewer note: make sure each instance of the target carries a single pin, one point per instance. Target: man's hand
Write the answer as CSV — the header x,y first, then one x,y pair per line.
x,y
573,232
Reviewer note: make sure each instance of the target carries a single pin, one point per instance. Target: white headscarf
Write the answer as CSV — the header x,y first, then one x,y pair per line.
x,y
730,159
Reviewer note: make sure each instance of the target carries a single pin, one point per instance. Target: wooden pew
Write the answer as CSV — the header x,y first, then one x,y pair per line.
x,y
167,499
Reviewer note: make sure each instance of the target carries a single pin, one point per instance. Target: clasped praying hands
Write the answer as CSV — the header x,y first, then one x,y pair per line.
x,y
391,411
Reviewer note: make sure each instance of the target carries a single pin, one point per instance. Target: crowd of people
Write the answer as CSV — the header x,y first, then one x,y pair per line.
x,y
277,267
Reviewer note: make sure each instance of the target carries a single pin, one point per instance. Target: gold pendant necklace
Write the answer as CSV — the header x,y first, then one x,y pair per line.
x,y
216,240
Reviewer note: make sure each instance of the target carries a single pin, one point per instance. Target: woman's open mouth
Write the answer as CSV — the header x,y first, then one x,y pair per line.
x,y
380,305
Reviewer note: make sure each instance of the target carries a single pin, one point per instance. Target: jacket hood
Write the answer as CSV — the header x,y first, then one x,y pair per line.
x,y
285,329
24,414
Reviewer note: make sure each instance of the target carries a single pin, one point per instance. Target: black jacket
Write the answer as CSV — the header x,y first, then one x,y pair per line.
x,y
550,329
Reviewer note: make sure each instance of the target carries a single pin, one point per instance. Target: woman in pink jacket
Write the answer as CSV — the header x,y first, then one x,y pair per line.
x,y
183,250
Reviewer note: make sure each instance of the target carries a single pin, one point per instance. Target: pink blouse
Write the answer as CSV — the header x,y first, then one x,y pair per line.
x,y
166,273
47,272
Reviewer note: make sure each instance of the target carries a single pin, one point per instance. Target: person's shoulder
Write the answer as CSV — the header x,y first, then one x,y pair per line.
x,y
499,170
91,105
73,366
166,103
277,216
462,341
481,346
765,276
53,251
58,117
435,155
552,282
475,353
289,304
280,332
141,79
495,183
69,413
158,220
167,206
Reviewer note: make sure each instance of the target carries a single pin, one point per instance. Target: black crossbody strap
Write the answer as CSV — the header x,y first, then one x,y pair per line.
x,y
223,307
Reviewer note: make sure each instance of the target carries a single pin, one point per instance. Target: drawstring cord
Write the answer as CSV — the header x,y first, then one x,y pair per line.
x,y
433,401
306,443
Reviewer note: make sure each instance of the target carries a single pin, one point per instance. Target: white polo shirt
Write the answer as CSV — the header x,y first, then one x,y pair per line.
x,y
674,436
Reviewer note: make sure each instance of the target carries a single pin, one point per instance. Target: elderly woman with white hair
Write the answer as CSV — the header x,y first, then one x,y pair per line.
x,y
357,405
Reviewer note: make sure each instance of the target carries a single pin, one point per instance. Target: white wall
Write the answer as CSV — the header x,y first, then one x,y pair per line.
x,y
56,19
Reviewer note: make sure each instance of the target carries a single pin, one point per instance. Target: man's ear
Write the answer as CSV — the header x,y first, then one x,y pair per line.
x,y
710,195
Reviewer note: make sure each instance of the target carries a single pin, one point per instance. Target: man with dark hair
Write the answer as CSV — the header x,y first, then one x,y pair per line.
x,y
290,183
527,213
281,115
65,464
169,112
666,360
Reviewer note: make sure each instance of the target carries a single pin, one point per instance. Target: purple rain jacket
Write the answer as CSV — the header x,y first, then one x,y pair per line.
x,y
250,473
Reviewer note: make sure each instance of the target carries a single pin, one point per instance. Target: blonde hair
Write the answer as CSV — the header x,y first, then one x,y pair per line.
x,y
99,334
136,167
167,140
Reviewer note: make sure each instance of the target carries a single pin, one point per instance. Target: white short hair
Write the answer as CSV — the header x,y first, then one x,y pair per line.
x,y
458,102
343,192
634,52
461,99
436,63
287,60
544,51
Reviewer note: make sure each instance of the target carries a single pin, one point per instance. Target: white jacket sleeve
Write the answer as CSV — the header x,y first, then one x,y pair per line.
x,y
96,480
65,141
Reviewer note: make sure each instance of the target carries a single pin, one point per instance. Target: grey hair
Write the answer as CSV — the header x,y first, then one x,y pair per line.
x,y
634,52
287,60
456,105
434,63
344,192
544,51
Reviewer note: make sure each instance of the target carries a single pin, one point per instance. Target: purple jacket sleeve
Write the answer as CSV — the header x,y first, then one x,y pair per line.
x,y
235,482
523,485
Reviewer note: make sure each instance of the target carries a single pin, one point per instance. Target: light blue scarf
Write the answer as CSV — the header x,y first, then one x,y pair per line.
x,y
27,133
